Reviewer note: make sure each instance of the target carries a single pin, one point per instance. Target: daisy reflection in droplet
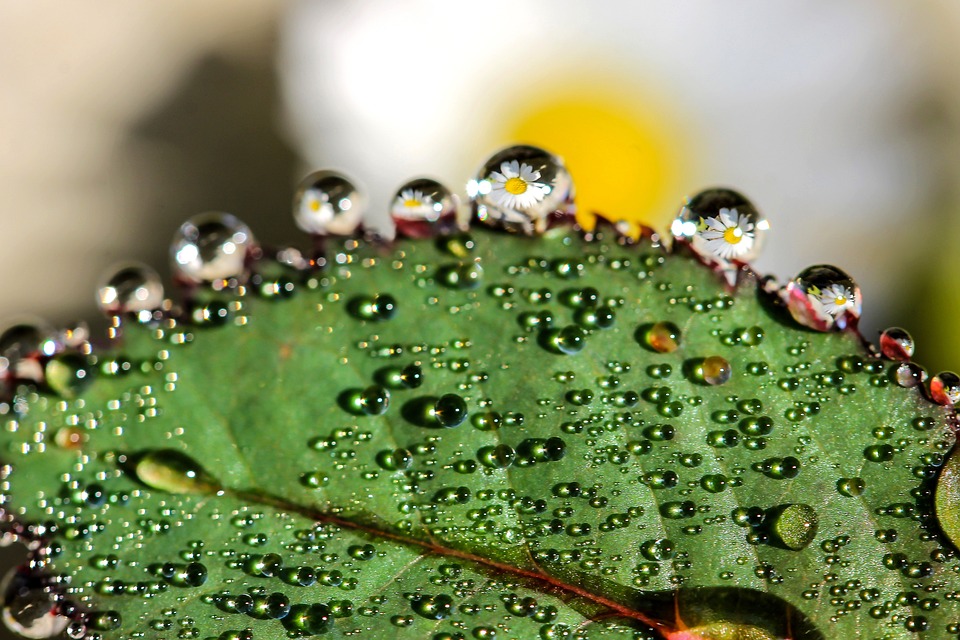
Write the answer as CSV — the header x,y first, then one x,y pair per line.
x,y
835,299
515,186
412,204
729,235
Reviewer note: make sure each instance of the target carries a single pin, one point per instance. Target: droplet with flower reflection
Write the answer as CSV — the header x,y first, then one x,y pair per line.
x,y
720,226
211,246
423,208
522,189
327,203
823,297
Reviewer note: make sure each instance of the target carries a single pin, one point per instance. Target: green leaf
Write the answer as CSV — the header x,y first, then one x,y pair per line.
x,y
553,476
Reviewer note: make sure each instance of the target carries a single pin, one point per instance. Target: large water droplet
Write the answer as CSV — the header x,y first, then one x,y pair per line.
x,y
721,226
945,388
793,525
175,472
328,203
522,189
822,297
28,609
662,337
896,344
132,288
210,247
68,374
22,346
313,619
424,208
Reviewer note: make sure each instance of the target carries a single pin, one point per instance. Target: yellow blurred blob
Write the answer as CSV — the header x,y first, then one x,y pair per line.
x,y
625,156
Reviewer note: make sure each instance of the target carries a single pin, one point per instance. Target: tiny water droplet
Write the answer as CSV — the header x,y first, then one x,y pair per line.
x,y
822,297
714,370
522,189
175,472
132,288
423,208
328,203
896,344
211,246
721,226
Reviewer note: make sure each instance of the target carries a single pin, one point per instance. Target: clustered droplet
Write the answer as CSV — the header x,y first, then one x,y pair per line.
x,y
823,297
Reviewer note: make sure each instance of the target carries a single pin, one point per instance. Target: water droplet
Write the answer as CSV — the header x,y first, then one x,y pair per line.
x,y
657,550
909,375
175,472
823,297
522,189
377,308
372,401
714,483
68,374
793,525
662,337
28,609
423,208
467,275
896,344
132,288
721,226
713,370
449,410
601,317
435,607
327,203
567,341
210,247
499,457
945,388
851,487
312,619
395,459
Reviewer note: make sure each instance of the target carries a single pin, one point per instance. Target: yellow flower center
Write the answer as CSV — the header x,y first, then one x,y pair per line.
x,y
410,204
314,205
733,235
840,301
516,186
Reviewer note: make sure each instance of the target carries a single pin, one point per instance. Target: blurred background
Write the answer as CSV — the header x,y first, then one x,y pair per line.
x,y
840,120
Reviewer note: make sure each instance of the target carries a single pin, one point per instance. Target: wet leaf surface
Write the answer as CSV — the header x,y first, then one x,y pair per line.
x,y
393,452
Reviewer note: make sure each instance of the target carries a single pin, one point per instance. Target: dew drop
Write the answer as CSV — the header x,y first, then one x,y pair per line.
x,y
450,410
945,388
714,370
896,344
793,525
851,487
566,341
823,297
132,288
909,375
500,456
662,337
210,247
68,374
721,226
435,607
327,203
29,610
423,208
522,189
467,275
175,472
312,619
